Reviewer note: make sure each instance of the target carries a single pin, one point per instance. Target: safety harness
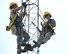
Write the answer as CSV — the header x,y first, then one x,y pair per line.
x,y
11,23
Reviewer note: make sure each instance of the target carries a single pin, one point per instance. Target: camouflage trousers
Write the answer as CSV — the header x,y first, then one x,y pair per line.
x,y
43,39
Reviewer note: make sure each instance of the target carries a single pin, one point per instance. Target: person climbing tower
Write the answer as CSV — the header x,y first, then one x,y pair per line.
x,y
16,24
47,32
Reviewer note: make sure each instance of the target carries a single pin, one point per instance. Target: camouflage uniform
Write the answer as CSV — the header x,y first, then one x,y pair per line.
x,y
20,32
45,34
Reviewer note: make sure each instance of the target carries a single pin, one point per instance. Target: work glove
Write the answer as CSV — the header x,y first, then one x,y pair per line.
x,y
7,28
24,4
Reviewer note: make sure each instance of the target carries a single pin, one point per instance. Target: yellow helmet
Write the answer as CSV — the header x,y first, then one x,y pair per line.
x,y
11,4
47,13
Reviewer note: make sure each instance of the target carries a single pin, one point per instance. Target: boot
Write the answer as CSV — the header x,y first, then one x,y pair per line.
x,y
24,50
29,47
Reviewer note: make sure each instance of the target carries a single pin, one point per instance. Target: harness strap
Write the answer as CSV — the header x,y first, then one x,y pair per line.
x,y
11,23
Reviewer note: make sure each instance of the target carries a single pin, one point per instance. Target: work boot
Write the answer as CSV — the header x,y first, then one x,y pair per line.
x,y
29,47
24,50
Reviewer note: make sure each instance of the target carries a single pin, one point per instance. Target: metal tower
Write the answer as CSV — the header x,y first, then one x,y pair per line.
x,y
31,23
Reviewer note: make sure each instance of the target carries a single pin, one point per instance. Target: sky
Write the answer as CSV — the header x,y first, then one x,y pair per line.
x,y
58,44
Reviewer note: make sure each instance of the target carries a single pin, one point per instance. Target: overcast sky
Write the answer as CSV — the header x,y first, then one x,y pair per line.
x,y
58,44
